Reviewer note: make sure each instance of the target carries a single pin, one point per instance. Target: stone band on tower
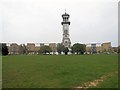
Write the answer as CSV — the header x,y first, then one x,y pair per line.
x,y
66,40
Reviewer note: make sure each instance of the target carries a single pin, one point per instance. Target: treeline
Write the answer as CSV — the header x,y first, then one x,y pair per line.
x,y
77,48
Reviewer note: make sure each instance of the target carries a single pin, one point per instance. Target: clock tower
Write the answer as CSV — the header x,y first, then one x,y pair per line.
x,y
65,23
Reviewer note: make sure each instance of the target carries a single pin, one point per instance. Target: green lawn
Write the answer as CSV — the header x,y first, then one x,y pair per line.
x,y
57,71
110,82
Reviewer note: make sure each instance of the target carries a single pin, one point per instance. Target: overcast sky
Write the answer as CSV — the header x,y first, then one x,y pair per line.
x,y
92,21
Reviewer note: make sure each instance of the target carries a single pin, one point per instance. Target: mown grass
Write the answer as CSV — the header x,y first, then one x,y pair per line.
x,y
56,71
111,82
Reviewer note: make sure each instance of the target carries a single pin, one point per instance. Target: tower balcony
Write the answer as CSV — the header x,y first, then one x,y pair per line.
x,y
65,23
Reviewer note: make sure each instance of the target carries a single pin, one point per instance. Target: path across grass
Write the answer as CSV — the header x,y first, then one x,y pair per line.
x,y
57,71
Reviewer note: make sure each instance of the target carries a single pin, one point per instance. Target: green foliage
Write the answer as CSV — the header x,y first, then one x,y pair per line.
x,y
78,48
60,48
119,49
45,49
56,71
0,49
65,50
4,49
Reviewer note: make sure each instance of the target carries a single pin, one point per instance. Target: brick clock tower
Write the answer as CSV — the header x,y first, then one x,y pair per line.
x,y
65,23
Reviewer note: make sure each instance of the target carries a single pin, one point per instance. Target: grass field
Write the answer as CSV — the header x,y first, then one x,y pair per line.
x,y
58,71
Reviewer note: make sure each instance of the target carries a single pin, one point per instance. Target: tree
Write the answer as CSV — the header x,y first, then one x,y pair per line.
x,y
21,49
60,48
118,49
0,49
78,48
65,50
4,49
72,50
25,50
45,49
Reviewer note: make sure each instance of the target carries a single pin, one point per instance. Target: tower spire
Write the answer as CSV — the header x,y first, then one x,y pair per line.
x,y
65,10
